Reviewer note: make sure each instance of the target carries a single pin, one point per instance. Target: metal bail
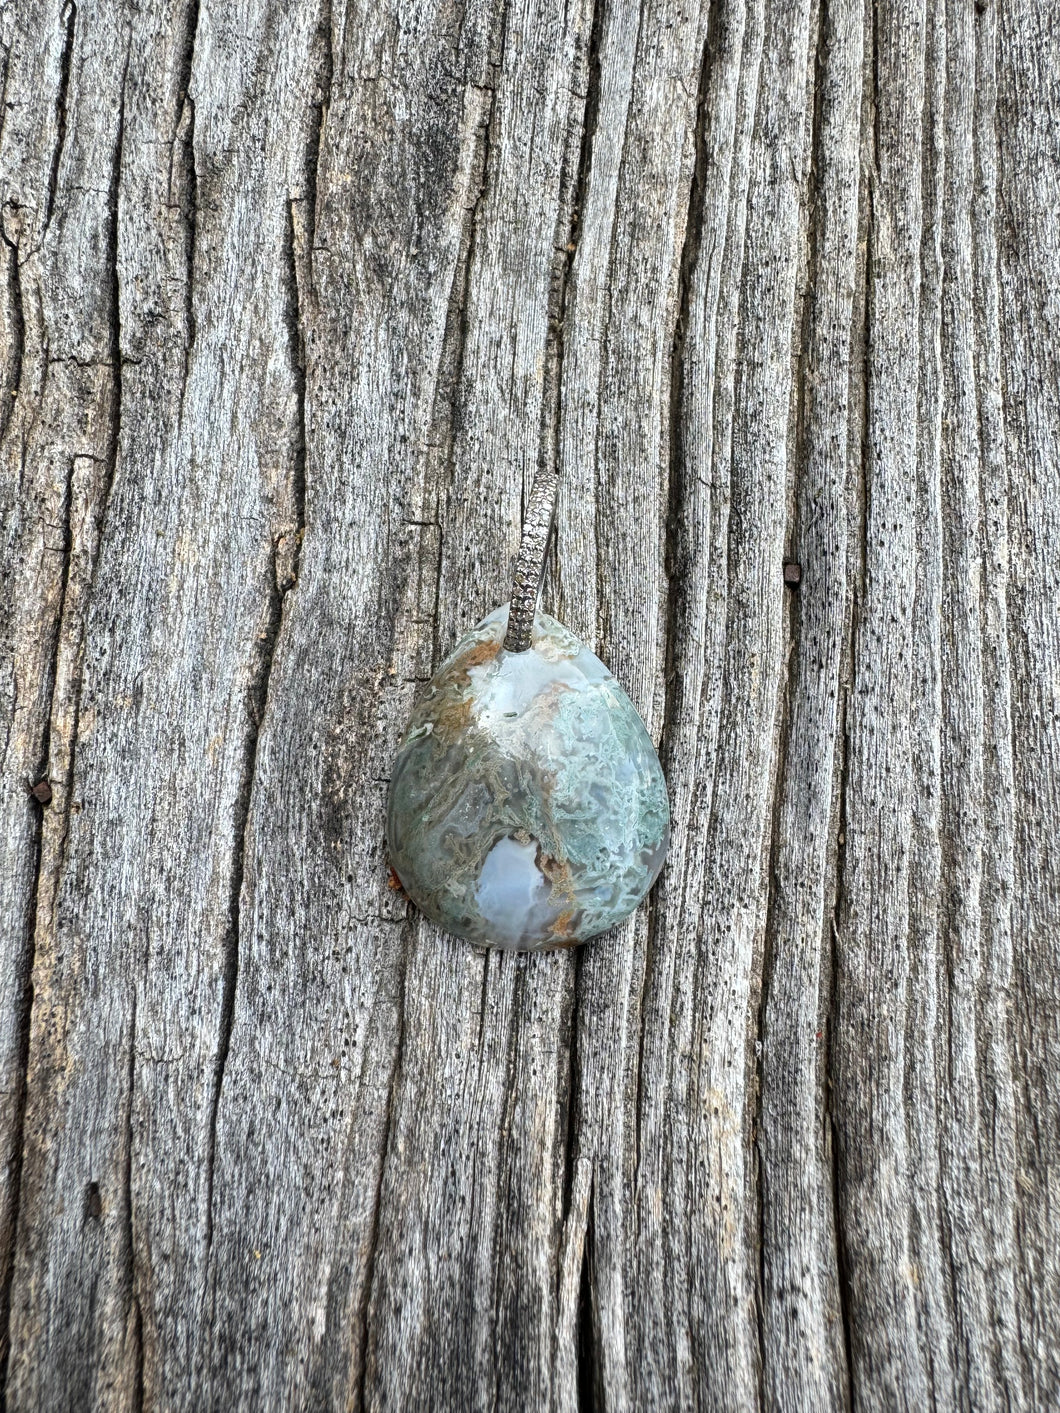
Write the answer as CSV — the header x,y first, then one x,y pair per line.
x,y
530,562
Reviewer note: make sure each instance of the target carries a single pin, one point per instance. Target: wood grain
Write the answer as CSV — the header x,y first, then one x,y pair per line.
x,y
296,302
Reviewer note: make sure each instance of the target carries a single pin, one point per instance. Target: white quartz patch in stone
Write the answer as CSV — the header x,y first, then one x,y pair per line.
x,y
504,688
512,893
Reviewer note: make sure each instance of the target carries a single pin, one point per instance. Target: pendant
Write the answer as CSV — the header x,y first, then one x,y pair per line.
x,y
527,805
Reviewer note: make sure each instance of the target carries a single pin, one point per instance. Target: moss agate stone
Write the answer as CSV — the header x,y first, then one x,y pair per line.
x,y
527,806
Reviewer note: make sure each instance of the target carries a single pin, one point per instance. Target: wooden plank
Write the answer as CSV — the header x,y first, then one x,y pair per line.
x,y
296,303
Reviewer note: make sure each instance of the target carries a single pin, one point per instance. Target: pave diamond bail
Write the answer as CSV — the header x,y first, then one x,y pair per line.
x,y
531,560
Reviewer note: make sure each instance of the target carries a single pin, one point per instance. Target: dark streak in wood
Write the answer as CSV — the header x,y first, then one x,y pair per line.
x,y
68,19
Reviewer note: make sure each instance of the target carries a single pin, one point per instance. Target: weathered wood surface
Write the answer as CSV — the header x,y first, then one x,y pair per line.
x,y
296,299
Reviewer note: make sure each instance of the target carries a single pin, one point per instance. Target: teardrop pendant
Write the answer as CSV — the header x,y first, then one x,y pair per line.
x,y
527,805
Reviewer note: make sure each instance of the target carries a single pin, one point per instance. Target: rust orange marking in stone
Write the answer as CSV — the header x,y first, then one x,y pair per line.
x,y
394,883
561,928
551,697
480,653
560,944
453,720
558,873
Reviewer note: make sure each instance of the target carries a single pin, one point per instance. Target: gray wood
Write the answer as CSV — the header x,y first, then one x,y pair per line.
x,y
297,300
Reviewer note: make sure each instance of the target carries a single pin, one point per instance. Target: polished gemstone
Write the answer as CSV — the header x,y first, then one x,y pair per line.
x,y
527,805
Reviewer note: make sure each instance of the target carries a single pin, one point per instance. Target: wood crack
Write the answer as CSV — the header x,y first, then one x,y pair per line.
x,y
114,326
12,382
675,554
257,702
590,1391
365,1310
828,1059
287,551
286,554
446,401
325,42
18,1124
68,18
802,342
603,612
573,194
782,735
257,699
5,59
129,1237
188,200
574,187
571,1126
861,333
108,475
